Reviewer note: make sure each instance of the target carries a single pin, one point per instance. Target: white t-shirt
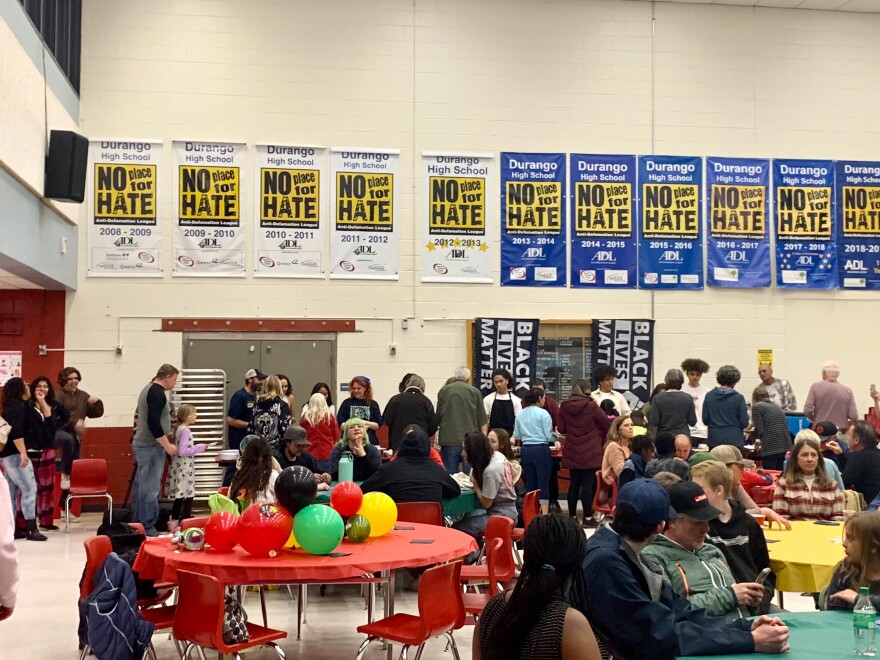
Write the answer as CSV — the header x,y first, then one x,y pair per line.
x,y
619,400
699,430
490,398
268,495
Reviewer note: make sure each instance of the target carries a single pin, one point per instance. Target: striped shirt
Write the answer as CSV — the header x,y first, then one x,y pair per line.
x,y
801,502
771,427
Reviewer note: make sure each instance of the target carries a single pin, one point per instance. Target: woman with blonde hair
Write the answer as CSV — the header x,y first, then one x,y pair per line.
x,y
321,430
271,413
861,565
805,491
366,457
617,448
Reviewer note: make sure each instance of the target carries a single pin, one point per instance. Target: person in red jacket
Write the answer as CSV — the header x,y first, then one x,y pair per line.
x,y
585,427
321,430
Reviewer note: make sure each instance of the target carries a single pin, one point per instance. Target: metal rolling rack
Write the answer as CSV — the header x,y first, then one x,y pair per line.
x,y
206,390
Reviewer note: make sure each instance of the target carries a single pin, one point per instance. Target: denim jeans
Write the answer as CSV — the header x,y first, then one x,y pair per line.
x,y
536,462
451,457
21,480
150,465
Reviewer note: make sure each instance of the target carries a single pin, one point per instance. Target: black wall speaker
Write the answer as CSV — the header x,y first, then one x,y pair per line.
x,y
66,167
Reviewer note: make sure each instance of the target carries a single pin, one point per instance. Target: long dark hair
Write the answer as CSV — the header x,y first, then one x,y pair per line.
x,y
50,395
479,454
554,547
14,390
323,386
256,467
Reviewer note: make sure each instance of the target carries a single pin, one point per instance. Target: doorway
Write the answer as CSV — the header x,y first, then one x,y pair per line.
x,y
306,358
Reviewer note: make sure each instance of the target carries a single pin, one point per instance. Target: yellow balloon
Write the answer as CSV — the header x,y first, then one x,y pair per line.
x,y
381,511
291,542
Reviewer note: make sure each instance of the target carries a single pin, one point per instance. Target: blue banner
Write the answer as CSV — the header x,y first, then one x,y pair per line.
x,y
533,228
603,246
737,205
806,256
670,223
858,224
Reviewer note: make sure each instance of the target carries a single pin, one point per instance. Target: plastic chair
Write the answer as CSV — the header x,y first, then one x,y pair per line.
x,y
223,490
426,513
88,479
605,498
531,509
498,527
188,523
441,610
199,618
475,603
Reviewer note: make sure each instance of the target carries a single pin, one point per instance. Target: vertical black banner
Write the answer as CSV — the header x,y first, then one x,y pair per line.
x,y
627,345
510,344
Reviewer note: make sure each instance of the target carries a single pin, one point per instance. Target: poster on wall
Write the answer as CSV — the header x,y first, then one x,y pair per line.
x,y
737,204
806,255
627,345
603,246
10,366
209,233
857,189
510,344
290,224
533,220
670,222
364,238
456,227
124,238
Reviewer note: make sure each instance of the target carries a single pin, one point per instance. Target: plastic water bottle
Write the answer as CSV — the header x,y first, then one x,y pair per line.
x,y
864,624
346,467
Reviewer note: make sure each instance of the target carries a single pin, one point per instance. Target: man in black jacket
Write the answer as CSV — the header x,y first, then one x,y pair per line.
x,y
409,407
634,612
862,471
413,476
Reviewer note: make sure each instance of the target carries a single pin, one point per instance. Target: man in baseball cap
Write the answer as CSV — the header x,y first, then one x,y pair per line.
x,y
292,450
833,443
240,414
698,570
632,609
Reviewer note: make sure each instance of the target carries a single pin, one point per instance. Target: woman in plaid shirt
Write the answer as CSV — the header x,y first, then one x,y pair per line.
x,y
805,491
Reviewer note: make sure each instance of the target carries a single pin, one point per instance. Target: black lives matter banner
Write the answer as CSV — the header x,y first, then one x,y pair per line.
x,y
290,228
628,346
209,237
455,219
123,235
510,344
364,237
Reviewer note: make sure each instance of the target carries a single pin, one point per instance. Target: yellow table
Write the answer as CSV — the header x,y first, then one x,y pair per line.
x,y
804,558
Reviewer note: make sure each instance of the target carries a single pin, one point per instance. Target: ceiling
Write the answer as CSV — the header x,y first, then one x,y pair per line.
x,y
865,6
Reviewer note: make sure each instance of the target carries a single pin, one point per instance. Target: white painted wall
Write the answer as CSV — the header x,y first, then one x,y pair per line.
x,y
483,75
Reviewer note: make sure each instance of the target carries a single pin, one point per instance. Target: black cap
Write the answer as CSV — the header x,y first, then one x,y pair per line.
x,y
825,429
689,499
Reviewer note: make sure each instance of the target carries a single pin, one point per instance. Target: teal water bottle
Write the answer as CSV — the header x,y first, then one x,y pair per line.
x,y
864,624
346,467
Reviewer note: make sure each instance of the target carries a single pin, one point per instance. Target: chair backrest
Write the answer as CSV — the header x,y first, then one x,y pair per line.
x,y
501,527
493,551
426,513
441,607
199,522
139,527
199,614
605,498
97,550
223,490
89,473
531,506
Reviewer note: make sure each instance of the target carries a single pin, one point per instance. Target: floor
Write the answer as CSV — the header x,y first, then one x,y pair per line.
x,y
44,623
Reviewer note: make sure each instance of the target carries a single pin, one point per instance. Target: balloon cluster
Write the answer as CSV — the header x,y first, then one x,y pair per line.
x,y
263,529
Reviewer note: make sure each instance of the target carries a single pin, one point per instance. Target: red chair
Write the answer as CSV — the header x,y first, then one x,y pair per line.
x,y
606,495
475,603
139,527
426,513
223,490
531,509
88,479
188,523
441,610
498,527
199,618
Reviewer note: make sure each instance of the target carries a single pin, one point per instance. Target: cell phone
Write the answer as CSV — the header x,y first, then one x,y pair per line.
x,y
425,541
762,576
829,523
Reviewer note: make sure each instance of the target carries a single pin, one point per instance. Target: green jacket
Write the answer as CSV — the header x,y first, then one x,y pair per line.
x,y
703,576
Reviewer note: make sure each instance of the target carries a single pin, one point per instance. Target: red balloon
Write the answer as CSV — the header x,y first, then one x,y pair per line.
x,y
221,530
346,498
264,528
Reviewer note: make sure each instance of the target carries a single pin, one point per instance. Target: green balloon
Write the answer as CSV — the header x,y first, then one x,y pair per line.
x,y
318,529
357,529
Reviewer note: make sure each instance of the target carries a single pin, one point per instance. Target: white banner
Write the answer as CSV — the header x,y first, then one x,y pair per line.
x,y
456,236
123,235
364,241
209,234
290,226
